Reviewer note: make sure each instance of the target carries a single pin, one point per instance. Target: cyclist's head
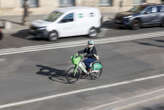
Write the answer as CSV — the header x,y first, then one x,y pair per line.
x,y
91,43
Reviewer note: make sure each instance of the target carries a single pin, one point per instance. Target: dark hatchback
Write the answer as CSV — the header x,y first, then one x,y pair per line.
x,y
141,16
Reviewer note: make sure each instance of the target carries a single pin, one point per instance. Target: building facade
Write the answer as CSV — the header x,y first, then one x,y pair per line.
x,y
45,6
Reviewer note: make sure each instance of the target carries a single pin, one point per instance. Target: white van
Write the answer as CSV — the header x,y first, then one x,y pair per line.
x,y
71,21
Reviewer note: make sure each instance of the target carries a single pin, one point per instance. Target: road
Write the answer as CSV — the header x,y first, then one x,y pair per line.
x,y
131,68
21,38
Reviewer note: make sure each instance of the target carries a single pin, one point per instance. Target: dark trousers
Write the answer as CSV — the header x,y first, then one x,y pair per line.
x,y
88,61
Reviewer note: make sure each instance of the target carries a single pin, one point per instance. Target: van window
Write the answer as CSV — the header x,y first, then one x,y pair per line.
x,y
53,16
68,18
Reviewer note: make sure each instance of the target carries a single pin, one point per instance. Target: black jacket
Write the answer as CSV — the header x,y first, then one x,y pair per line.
x,y
90,52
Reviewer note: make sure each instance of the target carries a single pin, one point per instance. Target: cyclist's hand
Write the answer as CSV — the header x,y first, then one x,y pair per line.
x,y
97,57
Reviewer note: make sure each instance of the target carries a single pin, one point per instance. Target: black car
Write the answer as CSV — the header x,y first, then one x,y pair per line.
x,y
140,16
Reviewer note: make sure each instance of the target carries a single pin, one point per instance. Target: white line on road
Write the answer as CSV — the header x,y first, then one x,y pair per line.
x,y
78,43
78,91
109,105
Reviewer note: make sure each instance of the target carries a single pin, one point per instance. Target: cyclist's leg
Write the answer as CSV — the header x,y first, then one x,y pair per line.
x,y
88,61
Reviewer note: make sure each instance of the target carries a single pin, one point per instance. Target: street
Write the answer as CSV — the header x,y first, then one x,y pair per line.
x,y
133,72
122,67
21,38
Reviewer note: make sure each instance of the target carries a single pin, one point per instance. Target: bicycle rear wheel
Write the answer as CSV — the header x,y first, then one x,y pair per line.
x,y
71,77
96,75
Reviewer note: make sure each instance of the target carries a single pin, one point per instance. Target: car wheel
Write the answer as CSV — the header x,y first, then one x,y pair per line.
x,y
53,36
92,32
136,24
162,23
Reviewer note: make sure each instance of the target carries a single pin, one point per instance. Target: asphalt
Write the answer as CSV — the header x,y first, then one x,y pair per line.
x,y
21,38
156,104
21,78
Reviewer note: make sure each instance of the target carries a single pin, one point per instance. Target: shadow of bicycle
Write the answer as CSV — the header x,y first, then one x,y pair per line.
x,y
53,74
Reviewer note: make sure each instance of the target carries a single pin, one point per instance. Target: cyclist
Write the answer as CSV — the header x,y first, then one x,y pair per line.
x,y
91,54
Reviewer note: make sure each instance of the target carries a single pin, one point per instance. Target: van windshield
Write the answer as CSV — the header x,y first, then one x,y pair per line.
x,y
53,16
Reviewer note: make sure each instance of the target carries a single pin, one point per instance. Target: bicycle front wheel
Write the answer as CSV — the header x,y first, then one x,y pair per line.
x,y
72,77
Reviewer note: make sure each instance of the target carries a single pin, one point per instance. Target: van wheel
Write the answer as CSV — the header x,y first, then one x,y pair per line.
x,y
92,32
53,36
136,24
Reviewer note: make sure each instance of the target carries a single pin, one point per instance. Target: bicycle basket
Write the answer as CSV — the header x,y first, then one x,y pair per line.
x,y
97,66
76,59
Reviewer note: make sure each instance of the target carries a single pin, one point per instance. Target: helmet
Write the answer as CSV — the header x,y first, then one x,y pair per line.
x,y
91,42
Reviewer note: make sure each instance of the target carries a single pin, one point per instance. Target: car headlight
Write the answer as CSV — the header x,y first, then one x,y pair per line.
x,y
128,16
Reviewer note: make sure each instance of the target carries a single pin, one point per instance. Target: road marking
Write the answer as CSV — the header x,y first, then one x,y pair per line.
x,y
143,101
78,91
78,43
109,105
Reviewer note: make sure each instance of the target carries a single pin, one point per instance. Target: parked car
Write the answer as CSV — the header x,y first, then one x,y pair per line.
x,y
1,35
65,22
140,16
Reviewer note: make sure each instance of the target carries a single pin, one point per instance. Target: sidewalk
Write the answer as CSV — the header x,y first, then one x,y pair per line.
x,y
13,23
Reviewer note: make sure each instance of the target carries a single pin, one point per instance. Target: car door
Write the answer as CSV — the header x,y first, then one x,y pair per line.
x,y
66,26
160,13
150,15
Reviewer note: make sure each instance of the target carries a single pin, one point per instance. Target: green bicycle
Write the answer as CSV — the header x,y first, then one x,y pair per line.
x,y
75,71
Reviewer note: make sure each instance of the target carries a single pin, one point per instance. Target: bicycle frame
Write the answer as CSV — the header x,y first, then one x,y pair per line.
x,y
83,67
78,63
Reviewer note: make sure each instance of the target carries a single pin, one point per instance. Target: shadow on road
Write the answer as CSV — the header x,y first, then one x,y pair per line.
x,y
108,24
158,107
52,73
24,34
21,34
153,42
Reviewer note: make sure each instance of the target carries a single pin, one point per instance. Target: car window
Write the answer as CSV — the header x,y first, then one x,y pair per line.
x,y
161,8
68,18
151,10
154,9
